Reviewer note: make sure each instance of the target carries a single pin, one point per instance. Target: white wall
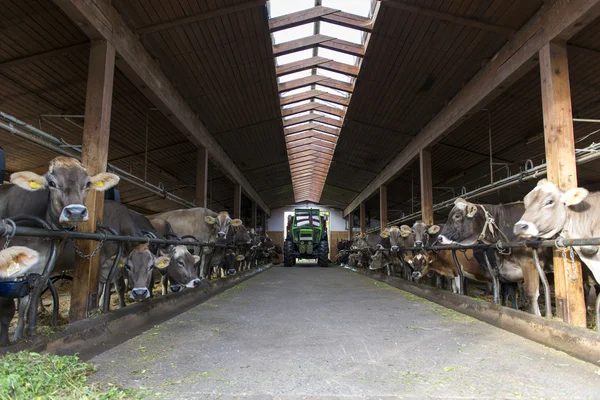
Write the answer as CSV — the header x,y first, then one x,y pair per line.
x,y
276,221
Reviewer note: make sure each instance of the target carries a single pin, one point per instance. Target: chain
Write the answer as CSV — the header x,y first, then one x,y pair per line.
x,y
12,234
570,266
93,253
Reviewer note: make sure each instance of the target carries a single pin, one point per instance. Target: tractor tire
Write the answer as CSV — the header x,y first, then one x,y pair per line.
x,y
288,254
323,254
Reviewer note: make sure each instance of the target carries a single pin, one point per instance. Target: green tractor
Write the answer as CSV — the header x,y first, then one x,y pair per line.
x,y
306,237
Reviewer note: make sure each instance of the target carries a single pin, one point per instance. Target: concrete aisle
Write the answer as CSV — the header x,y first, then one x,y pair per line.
x,y
304,331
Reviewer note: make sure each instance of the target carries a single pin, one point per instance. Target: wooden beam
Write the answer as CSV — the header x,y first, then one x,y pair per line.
x,y
311,134
318,94
237,201
309,147
350,225
200,17
349,21
100,20
44,55
345,47
300,65
426,187
201,177
383,208
96,132
562,169
464,21
340,68
300,83
299,18
304,43
312,126
329,121
557,20
363,218
286,112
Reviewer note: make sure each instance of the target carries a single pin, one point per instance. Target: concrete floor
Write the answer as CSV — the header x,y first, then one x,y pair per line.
x,y
327,332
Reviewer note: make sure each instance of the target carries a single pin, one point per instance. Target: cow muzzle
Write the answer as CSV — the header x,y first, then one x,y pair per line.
x,y
175,288
140,293
221,235
444,240
395,248
418,243
74,213
417,275
194,283
525,229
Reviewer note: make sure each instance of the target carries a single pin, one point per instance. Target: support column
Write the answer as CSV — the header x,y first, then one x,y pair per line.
x,y
254,219
237,201
383,207
201,177
562,169
96,130
363,218
426,187
350,225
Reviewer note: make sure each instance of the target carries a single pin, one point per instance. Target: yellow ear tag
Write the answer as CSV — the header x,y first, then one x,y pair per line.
x,y
120,264
13,268
160,265
34,185
99,184
404,234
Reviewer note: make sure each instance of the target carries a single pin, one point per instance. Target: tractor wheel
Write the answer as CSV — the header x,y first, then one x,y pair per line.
x,y
288,254
323,254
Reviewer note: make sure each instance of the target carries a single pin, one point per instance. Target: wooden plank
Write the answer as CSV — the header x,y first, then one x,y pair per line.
x,y
426,187
313,106
96,132
312,126
330,121
339,67
299,18
16,62
363,218
345,47
319,94
200,17
383,208
300,65
237,200
102,21
304,43
559,20
464,21
309,147
201,177
299,83
562,169
311,134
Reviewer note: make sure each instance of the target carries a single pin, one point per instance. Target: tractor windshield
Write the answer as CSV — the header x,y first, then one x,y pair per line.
x,y
307,219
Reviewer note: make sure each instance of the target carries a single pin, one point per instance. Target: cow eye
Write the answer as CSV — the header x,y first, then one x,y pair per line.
x,y
456,216
52,184
128,267
180,263
87,185
549,202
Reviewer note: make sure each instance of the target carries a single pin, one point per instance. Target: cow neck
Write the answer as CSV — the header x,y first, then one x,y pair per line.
x,y
489,226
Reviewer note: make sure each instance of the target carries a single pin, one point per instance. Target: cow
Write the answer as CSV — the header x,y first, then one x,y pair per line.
x,y
470,223
393,239
343,252
551,212
360,252
207,226
58,197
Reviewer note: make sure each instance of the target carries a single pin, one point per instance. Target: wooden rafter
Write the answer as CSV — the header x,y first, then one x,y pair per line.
x,y
558,21
318,40
200,17
311,134
313,106
317,94
15,62
323,14
314,62
312,117
316,80
312,126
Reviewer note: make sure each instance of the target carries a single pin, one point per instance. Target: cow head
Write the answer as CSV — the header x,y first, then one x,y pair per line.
x,y
68,184
139,265
241,235
546,209
16,260
424,233
221,224
465,224
181,268
360,242
399,237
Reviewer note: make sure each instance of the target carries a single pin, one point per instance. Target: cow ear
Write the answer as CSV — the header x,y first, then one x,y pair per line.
x,y
209,220
574,196
16,260
236,222
162,262
196,259
28,180
471,210
542,182
240,257
433,229
104,181
385,234
405,228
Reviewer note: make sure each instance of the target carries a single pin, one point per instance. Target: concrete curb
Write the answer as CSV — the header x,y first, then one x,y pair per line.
x,y
581,343
97,334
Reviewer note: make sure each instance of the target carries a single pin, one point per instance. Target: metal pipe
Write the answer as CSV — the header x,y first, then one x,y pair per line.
x,y
545,284
461,274
586,120
52,143
494,277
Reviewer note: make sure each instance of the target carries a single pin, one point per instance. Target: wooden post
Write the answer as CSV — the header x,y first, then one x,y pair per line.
x,y
350,225
96,130
426,187
562,169
237,201
254,219
363,218
201,177
383,207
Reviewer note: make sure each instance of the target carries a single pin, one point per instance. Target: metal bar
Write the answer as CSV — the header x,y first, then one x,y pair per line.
x,y
461,274
494,277
544,280
586,120
50,142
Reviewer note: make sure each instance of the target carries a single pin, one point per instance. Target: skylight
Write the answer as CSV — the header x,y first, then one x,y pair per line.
x,y
332,53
